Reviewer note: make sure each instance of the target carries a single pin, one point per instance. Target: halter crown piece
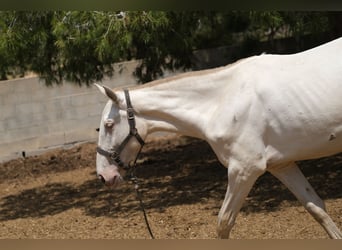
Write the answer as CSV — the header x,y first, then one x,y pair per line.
x,y
113,155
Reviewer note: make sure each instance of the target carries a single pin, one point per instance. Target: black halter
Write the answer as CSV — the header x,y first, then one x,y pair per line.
x,y
113,155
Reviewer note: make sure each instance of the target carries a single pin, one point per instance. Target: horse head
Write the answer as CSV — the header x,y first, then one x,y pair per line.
x,y
119,142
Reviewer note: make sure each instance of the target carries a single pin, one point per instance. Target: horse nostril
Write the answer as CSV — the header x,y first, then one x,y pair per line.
x,y
102,179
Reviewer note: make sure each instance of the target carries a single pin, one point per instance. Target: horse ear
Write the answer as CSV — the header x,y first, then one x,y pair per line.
x,y
108,92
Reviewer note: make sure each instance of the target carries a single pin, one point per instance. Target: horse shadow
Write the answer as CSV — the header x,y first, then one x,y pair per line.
x,y
190,174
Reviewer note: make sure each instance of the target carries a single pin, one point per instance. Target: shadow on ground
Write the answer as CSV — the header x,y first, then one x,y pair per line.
x,y
171,174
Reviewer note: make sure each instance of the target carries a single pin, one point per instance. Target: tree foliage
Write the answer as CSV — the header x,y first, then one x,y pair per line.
x,y
81,46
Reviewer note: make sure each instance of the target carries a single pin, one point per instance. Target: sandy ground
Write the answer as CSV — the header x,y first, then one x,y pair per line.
x,y
57,196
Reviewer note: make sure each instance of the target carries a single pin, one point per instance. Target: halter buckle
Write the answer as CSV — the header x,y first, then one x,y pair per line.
x,y
114,155
130,113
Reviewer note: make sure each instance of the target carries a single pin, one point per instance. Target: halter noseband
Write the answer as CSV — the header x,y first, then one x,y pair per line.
x,y
113,155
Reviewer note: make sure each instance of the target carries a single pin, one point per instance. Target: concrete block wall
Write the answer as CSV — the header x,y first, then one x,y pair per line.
x,y
34,117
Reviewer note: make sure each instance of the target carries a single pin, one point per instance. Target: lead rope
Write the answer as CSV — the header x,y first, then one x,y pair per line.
x,y
134,179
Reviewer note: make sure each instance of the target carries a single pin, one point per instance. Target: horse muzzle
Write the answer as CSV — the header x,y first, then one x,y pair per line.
x,y
111,178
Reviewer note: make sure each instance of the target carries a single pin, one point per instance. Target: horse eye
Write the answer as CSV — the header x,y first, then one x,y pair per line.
x,y
109,123
97,129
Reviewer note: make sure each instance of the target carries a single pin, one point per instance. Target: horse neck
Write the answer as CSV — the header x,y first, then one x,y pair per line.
x,y
181,105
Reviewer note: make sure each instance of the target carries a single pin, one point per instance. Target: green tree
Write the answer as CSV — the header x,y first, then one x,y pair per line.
x,y
81,46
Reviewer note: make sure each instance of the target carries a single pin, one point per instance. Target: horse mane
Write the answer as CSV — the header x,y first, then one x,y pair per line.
x,y
186,74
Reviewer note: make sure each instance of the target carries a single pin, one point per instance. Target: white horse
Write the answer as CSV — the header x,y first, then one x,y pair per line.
x,y
259,114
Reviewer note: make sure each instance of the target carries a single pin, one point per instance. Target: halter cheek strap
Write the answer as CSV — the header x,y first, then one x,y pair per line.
x,y
113,155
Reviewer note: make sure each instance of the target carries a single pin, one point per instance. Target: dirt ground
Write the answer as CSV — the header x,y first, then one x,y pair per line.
x,y
57,196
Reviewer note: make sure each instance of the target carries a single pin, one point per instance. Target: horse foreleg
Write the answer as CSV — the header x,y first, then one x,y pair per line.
x,y
292,177
240,182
